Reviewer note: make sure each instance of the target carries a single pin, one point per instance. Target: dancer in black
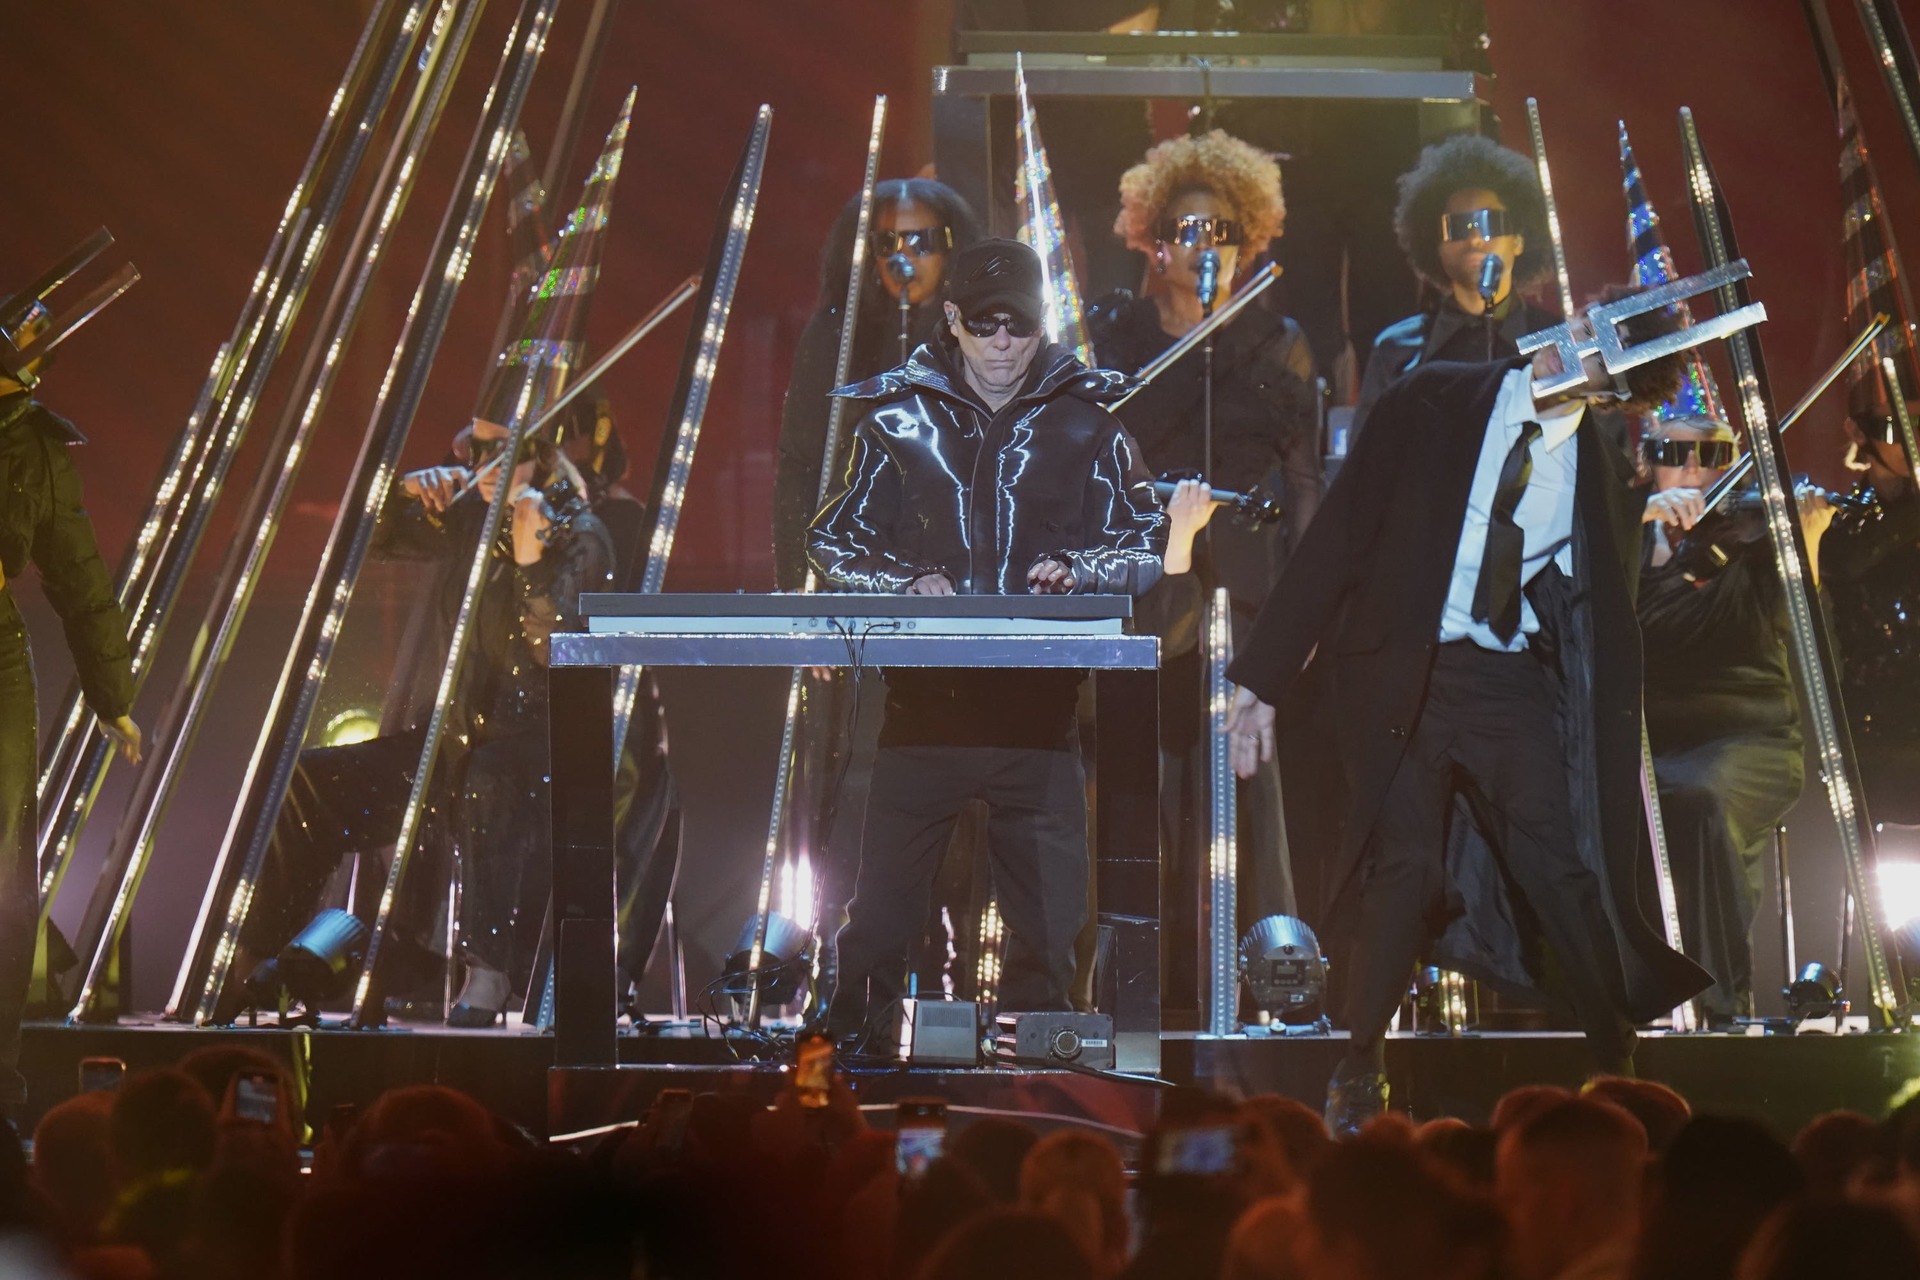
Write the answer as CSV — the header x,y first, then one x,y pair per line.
x,y
43,524
1470,582
984,465
1467,198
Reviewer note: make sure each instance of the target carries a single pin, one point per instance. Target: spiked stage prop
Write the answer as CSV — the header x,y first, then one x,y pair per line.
x,y
98,939
1698,399
1808,631
1042,228
583,870
205,968
809,735
1685,1017
78,755
1879,381
531,372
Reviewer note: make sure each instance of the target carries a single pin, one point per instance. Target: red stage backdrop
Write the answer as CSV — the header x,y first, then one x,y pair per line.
x,y
194,119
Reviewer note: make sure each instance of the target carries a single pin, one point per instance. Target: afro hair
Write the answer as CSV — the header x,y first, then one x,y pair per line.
x,y
1468,162
1242,175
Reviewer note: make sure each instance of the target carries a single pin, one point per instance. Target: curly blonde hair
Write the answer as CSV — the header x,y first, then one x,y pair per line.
x,y
1239,173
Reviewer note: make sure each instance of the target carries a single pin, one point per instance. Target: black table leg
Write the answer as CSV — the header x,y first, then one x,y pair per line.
x,y
1127,765
581,735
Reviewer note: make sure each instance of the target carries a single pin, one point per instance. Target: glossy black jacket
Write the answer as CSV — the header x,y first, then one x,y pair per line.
x,y
937,484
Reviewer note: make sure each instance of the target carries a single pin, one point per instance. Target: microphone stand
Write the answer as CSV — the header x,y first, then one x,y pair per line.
x,y
1491,269
1209,287
900,267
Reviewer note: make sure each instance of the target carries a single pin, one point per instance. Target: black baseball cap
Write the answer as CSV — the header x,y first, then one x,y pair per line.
x,y
991,276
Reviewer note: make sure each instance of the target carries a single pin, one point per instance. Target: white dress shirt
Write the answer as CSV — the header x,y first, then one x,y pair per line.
x,y
1545,513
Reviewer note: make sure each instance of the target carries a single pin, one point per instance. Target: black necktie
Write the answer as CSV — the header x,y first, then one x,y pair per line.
x,y
1496,597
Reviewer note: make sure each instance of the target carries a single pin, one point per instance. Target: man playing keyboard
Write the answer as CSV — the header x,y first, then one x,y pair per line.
x,y
985,465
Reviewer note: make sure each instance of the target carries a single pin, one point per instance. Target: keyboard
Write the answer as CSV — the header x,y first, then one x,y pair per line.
x,y
857,616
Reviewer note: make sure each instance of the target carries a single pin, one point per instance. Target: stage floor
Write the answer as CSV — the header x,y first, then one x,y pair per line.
x,y
1784,1080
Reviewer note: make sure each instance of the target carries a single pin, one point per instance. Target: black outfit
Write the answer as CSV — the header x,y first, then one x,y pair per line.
x,y
1870,567
492,795
42,523
1264,433
1543,745
938,484
1723,720
834,769
1442,332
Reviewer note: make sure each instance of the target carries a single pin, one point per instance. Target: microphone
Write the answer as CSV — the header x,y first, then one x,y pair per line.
x,y
1491,269
900,267
1209,282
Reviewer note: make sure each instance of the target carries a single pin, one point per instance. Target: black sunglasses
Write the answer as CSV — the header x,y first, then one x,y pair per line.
x,y
1488,222
920,242
1194,230
987,326
1714,454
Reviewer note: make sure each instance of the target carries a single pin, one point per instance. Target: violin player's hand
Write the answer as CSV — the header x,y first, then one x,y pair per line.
x,y
436,487
1679,507
530,521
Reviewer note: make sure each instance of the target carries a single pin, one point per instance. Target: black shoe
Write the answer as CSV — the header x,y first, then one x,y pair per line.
x,y
1353,1098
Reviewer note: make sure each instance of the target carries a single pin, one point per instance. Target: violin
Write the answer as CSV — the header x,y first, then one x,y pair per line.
x,y
1735,523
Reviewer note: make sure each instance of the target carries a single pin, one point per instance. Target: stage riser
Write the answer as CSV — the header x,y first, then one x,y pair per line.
x,y
587,1097
1783,1081
504,1069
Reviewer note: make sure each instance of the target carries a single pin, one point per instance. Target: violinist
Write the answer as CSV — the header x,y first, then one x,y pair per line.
x,y
1870,567
1722,712
491,796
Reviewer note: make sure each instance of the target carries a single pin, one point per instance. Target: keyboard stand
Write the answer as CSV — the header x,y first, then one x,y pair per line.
x,y
1126,820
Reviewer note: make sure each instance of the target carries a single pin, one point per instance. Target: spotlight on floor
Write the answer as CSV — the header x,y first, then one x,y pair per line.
x,y
1815,993
319,964
324,958
355,724
1281,963
785,962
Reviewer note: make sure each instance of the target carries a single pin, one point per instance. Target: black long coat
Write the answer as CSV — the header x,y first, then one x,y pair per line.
x,y
1367,586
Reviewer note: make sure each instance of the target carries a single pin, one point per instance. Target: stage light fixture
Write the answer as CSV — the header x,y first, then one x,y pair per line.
x,y
355,724
785,961
1281,963
1815,993
320,963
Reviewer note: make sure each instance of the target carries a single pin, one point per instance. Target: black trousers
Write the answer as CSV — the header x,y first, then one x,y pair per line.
x,y
1036,848
1719,801
19,876
1486,733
